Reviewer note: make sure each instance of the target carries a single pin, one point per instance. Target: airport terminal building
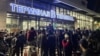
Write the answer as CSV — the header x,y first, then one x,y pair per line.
x,y
23,14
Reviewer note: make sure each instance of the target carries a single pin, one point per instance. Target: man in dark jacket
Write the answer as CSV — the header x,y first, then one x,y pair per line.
x,y
75,41
44,43
79,33
86,51
51,44
3,45
21,40
60,38
50,29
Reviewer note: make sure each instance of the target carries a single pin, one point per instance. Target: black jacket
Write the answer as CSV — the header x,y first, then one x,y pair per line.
x,y
44,41
51,41
21,40
88,52
3,46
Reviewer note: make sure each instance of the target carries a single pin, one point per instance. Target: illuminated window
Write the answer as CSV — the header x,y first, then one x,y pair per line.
x,y
65,12
32,24
83,17
77,15
91,20
74,14
47,23
15,21
61,11
71,13
25,25
8,21
42,23
57,10
68,12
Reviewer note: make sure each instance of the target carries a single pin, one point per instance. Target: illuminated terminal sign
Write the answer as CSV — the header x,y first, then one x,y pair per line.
x,y
39,12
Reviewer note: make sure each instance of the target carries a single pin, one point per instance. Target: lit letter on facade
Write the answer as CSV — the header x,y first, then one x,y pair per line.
x,y
13,7
38,11
48,14
53,14
20,9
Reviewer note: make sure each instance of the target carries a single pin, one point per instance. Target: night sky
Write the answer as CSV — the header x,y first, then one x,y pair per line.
x,y
94,5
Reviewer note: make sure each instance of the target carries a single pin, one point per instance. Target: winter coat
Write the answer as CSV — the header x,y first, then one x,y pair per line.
x,y
3,46
21,40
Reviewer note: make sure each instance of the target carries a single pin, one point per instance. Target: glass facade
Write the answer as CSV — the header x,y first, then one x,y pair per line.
x,y
82,20
17,22
96,25
23,22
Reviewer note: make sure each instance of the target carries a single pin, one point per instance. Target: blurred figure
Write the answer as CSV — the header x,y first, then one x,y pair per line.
x,y
3,45
79,32
44,43
67,46
27,34
50,29
31,35
8,39
75,42
14,39
19,44
59,42
39,38
84,45
94,42
51,44
85,32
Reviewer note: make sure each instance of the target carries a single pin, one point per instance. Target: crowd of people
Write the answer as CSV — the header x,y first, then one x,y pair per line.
x,y
52,42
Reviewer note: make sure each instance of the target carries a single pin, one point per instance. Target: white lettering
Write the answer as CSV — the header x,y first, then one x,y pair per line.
x,y
13,7
38,12
30,11
43,13
33,11
53,14
48,14
20,9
